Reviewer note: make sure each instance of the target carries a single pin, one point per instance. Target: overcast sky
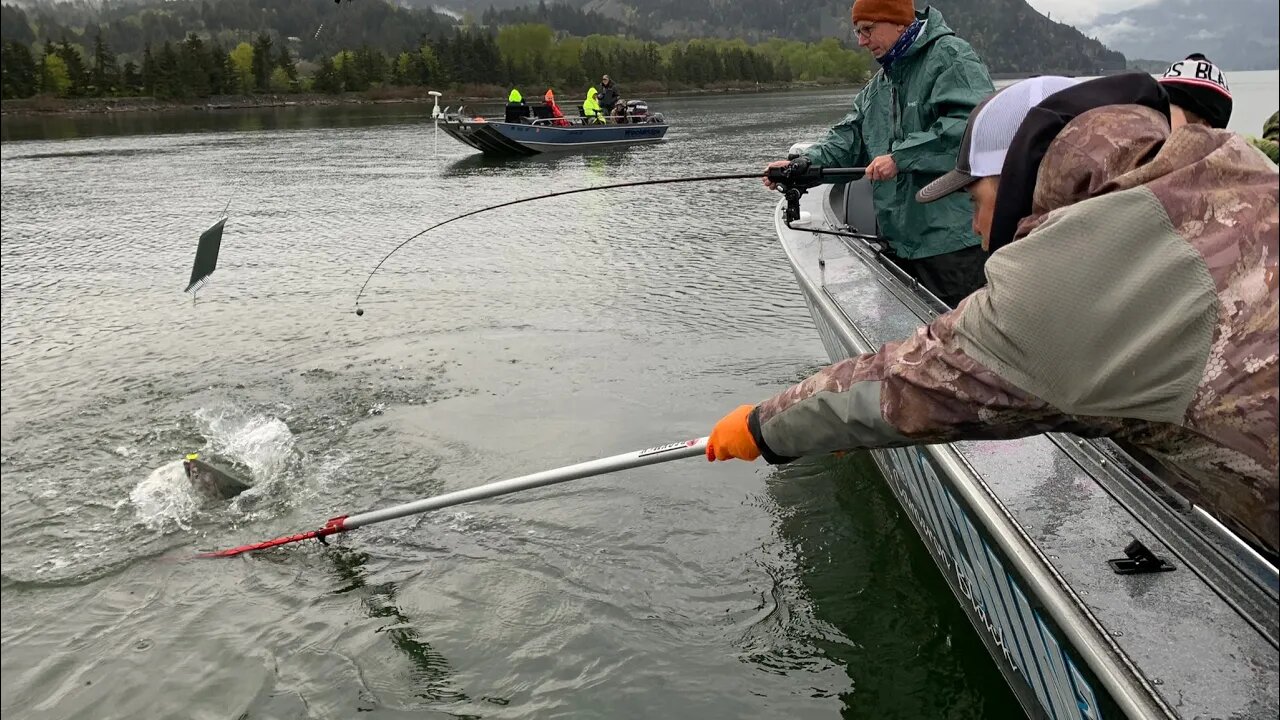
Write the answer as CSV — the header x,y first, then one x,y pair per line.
x,y
1083,11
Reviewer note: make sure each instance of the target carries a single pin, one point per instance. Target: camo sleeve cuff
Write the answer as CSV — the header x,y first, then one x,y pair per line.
x,y
757,434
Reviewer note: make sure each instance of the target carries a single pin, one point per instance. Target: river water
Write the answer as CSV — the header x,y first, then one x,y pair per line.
x,y
519,340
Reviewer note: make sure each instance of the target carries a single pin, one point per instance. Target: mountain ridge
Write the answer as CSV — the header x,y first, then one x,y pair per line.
x,y
1010,35
1159,31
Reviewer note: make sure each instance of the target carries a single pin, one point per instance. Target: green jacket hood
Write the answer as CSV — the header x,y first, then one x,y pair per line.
x,y
935,27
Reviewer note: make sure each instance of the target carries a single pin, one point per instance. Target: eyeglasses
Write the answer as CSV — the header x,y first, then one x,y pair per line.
x,y
864,31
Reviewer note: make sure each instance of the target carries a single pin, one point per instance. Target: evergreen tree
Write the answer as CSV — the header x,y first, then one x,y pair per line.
x,y
262,61
74,63
284,61
194,68
148,76
326,79
220,72
167,85
105,77
131,80
19,77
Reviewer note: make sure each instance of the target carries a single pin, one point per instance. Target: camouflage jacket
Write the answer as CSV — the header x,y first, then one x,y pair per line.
x,y
1269,143
1139,302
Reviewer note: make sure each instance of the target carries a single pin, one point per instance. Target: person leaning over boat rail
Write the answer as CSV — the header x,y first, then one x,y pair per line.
x,y
905,128
1138,302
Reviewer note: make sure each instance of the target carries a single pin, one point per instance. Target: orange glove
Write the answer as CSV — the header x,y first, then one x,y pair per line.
x,y
731,438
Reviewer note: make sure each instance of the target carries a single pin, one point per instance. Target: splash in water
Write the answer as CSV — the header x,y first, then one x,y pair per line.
x,y
263,444
165,500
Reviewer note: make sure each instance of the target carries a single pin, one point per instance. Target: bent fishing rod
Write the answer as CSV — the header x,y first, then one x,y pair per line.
x,y
591,468
792,180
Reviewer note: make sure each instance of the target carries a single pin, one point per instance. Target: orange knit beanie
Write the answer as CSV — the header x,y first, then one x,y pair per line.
x,y
898,12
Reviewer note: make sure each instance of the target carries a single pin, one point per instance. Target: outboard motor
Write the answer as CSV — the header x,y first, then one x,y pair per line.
x,y
638,110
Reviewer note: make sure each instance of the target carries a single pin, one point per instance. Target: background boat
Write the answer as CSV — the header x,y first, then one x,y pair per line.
x,y
531,129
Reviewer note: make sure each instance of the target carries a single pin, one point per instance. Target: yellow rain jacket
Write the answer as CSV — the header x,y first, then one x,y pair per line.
x,y
591,107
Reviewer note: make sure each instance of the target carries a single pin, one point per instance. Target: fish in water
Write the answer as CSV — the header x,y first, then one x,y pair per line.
x,y
211,479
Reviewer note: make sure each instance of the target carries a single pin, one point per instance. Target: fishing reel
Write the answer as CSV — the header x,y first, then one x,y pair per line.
x,y
795,178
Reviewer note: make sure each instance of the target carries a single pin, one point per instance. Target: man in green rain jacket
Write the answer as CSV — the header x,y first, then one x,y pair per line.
x,y
905,128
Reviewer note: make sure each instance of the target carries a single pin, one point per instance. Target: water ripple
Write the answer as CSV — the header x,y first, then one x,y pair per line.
x,y
516,340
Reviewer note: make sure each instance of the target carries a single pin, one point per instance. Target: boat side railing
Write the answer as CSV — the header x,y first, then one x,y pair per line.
x,y
582,122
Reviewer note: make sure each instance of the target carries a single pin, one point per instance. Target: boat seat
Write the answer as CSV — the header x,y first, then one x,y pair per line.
x,y
515,112
859,209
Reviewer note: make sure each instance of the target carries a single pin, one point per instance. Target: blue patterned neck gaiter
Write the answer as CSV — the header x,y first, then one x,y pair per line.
x,y
904,44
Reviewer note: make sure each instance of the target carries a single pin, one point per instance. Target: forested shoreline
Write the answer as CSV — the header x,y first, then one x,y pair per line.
x,y
100,66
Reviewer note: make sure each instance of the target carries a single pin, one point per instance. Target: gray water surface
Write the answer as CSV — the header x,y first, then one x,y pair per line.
x,y
518,340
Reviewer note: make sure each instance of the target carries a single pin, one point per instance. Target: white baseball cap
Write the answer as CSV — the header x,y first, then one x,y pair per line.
x,y
990,131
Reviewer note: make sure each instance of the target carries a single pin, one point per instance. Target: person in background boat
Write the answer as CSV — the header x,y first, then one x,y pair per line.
x,y
608,95
591,107
1198,93
905,128
1138,301
550,100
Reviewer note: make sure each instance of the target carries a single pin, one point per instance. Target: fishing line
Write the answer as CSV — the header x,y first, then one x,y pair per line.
x,y
227,207
637,183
